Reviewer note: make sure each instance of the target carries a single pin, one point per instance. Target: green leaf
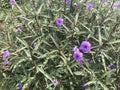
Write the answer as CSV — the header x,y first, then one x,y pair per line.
x,y
40,8
114,42
44,73
79,73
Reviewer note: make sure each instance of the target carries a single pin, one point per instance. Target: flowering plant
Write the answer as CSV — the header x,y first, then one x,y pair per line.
x,y
60,45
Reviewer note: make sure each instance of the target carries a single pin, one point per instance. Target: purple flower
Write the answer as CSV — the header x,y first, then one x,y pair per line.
x,y
75,49
68,2
34,45
76,5
19,29
5,54
118,5
55,82
111,66
59,21
6,62
12,2
84,86
77,55
81,61
19,86
89,6
85,46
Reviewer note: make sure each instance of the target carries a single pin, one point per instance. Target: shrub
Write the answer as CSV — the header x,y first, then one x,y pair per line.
x,y
60,45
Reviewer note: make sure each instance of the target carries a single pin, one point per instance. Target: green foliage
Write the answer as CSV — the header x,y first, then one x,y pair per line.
x,y
52,57
5,3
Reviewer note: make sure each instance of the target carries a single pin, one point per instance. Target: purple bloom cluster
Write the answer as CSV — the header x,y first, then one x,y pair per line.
x,y
118,5
18,29
12,2
76,5
84,86
19,86
68,2
59,21
75,49
111,66
77,55
6,62
55,82
89,6
5,54
34,44
4,57
85,46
